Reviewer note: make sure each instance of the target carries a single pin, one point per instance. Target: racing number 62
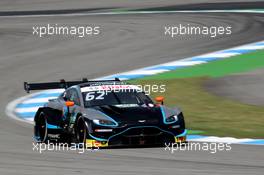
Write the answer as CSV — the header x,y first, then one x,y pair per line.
x,y
92,95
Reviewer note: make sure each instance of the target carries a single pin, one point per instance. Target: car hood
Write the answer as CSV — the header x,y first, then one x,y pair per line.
x,y
128,115
131,114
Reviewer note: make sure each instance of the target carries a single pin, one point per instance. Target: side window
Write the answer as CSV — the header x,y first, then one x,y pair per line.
x,y
73,96
144,98
67,94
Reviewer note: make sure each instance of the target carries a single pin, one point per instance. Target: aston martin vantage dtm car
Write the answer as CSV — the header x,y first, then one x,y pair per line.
x,y
105,113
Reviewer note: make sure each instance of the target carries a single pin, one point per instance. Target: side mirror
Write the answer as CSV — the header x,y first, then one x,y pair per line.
x,y
160,99
69,103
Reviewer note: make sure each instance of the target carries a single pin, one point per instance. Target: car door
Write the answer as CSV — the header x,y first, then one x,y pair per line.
x,y
72,95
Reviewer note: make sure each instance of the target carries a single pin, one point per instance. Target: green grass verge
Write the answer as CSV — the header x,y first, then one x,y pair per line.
x,y
203,111
236,64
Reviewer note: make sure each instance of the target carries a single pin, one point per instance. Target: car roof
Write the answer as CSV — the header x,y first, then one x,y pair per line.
x,y
101,83
105,86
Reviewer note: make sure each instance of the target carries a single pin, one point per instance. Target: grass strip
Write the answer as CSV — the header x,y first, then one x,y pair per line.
x,y
206,112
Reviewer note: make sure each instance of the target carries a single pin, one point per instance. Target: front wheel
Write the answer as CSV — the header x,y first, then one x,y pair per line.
x,y
81,131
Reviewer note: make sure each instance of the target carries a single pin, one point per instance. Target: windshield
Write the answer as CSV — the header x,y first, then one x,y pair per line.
x,y
99,98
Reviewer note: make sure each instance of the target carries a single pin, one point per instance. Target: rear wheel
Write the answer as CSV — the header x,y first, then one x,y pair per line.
x,y
41,130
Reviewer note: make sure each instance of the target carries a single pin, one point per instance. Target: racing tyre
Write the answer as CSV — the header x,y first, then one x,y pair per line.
x,y
81,131
41,130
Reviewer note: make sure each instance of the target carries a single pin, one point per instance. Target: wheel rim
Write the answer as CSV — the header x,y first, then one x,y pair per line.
x,y
81,131
42,128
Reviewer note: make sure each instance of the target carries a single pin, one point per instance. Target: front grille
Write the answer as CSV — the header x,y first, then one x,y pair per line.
x,y
142,136
137,122
144,131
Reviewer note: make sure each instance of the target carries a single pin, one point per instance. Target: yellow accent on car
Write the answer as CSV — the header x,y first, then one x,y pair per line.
x,y
94,143
180,139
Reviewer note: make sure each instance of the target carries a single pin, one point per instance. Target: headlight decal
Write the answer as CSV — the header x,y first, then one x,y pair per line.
x,y
105,122
172,119
165,117
101,122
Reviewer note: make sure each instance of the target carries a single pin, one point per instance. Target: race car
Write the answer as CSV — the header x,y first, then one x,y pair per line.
x,y
103,113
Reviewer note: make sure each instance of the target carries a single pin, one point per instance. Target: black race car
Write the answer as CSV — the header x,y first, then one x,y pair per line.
x,y
105,113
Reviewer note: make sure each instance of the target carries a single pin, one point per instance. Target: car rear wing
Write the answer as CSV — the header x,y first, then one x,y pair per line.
x,y
62,84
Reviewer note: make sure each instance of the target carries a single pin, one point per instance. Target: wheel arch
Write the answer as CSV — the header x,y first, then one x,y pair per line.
x,y
85,119
37,115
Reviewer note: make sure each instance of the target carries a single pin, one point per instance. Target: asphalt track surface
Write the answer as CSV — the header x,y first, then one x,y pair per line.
x,y
32,5
245,87
127,42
